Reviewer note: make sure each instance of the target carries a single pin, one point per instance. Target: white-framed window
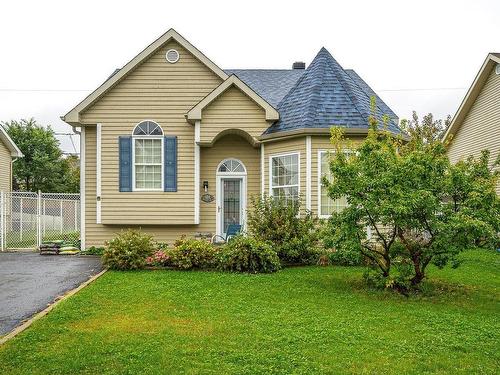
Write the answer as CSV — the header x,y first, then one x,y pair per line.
x,y
284,175
326,205
147,156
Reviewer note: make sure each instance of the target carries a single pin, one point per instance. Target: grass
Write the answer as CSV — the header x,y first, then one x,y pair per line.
x,y
300,320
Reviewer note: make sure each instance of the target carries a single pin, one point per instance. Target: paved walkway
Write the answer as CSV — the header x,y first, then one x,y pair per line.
x,y
29,282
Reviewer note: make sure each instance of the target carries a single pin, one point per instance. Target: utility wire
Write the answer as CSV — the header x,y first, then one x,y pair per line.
x,y
426,89
41,90
73,143
399,89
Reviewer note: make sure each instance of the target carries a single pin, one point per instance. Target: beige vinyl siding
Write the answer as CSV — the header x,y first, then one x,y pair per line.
x,y
481,126
232,110
229,146
5,168
97,234
321,143
163,92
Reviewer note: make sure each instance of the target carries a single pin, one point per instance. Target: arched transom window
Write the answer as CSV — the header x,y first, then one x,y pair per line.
x,y
148,128
231,166
148,154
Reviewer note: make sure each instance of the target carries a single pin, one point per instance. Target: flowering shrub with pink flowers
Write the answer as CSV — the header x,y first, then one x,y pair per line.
x,y
160,258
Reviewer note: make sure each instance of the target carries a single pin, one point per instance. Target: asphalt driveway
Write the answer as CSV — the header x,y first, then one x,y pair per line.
x,y
29,282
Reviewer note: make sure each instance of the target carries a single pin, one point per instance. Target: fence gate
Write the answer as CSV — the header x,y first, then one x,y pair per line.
x,y
27,219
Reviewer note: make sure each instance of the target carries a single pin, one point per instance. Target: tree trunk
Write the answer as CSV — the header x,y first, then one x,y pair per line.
x,y
419,271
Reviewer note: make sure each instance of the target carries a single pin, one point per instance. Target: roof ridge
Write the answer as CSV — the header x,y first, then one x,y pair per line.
x,y
333,64
293,87
372,93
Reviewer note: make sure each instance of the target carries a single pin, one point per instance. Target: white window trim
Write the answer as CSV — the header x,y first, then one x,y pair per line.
x,y
271,171
172,61
320,178
140,137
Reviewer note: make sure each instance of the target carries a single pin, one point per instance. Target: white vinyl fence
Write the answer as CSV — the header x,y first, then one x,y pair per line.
x,y
28,219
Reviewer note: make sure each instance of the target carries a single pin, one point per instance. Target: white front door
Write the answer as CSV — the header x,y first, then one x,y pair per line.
x,y
231,202
231,195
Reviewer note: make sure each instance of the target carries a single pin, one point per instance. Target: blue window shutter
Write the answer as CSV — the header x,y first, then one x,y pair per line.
x,y
170,163
125,150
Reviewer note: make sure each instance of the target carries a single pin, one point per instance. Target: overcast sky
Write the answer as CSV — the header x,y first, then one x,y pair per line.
x,y
418,55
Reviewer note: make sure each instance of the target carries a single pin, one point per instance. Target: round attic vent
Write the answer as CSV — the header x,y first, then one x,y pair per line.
x,y
172,56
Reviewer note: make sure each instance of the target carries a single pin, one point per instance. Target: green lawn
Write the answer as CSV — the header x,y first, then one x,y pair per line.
x,y
300,320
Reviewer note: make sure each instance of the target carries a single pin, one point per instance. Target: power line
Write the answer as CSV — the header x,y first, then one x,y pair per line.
x,y
42,90
426,89
381,90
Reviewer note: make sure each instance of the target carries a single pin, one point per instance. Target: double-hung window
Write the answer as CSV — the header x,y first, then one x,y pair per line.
x,y
284,170
327,205
148,157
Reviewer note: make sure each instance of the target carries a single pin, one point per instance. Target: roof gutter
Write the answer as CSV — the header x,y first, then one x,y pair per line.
x,y
314,131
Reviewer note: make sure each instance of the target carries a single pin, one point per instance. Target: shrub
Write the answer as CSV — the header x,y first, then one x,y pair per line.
x,y
277,221
160,258
191,253
93,250
345,257
128,250
246,254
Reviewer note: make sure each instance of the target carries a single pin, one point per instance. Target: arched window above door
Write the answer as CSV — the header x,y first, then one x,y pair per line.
x,y
231,166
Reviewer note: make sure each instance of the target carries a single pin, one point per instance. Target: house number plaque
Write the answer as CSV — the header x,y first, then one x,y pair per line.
x,y
207,198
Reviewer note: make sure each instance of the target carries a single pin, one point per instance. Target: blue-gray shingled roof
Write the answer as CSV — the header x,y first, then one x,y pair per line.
x,y
326,95
271,84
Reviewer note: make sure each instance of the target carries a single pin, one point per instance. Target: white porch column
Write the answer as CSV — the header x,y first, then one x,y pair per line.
x,y
308,172
82,188
262,170
98,174
197,126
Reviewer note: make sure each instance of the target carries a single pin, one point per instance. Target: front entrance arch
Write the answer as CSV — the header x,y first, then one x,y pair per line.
x,y
231,192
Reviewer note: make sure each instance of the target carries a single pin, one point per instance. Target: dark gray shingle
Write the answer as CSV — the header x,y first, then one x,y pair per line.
x,y
271,84
324,96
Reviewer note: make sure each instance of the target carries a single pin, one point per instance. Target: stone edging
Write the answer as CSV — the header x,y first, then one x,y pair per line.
x,y
49,308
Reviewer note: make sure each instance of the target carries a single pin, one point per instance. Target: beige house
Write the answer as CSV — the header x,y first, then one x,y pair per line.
x,y
8,154
173,144
476,125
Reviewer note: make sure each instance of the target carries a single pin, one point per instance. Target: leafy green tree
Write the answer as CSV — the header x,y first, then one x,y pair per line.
x,y
43,166
428,130
72,173
408,205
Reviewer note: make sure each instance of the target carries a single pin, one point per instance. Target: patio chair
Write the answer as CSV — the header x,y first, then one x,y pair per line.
x,y
231,231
